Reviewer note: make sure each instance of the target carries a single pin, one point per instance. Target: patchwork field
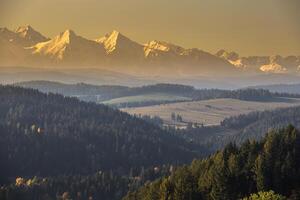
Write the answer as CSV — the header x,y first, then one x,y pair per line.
x,y
209,112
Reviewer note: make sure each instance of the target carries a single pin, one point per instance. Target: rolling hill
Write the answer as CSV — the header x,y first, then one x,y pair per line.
x,y
42,133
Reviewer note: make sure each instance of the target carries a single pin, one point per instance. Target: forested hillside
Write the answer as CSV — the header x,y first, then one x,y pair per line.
x,y
240,128
48,134
234,173
256,124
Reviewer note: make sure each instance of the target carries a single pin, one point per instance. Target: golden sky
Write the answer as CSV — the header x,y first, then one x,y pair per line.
x,y
250,27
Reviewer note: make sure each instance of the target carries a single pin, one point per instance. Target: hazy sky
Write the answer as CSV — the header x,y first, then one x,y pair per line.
x,y
250,27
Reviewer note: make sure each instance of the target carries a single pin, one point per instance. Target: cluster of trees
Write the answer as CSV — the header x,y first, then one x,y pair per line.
x,y
48,135
270,195
176,117
156,120
235,173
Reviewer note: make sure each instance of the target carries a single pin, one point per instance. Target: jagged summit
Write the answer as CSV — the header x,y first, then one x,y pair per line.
x,y
164,46
110,41
67,47
115,41
161,48
24,29
69,32
67,36
232,56
14,38
116,34
31,35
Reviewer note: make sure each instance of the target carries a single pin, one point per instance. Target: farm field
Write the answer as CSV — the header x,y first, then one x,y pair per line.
x,y
155,97
209,112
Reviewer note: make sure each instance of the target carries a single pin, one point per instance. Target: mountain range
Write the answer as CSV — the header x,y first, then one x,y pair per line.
x,y
114,51
268,64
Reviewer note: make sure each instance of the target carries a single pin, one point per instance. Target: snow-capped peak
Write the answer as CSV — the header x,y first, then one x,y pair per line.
x,y
28,33
156,46
24,29
230,56
115,34
69,47
115,40
57,46
66,36
273,68
163,46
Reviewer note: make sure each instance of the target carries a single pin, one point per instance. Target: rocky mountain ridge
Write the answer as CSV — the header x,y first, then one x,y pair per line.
x,y
28,47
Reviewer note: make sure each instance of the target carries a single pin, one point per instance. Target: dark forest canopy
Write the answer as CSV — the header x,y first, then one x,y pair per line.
x,y
272,164
234,173
49,134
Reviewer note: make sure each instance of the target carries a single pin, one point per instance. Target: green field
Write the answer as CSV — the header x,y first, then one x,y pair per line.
x,y
155,97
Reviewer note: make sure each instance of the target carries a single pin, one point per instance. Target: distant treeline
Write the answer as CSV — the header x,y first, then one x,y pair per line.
x,y
102,93
280,88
